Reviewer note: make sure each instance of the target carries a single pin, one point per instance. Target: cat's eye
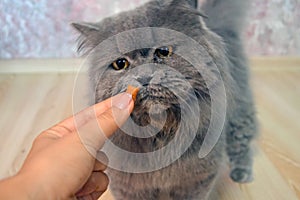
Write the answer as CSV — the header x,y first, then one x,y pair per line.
x,y
164,52
121,63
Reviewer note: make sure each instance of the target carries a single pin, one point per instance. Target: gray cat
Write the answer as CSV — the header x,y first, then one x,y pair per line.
x,y
170,85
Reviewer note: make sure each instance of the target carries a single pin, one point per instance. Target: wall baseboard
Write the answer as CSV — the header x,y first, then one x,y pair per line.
x,y
287,63
41,65
74,65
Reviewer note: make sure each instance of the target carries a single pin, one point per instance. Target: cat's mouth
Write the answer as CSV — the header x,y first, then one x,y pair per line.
x,y
156,105
156,94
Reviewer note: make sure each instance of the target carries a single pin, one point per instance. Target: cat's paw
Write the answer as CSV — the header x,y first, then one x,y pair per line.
x,y
241,175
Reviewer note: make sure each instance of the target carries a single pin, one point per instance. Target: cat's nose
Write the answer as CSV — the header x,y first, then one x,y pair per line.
x,y
144,81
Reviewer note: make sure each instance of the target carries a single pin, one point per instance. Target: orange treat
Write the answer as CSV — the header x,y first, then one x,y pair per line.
x,y
133,91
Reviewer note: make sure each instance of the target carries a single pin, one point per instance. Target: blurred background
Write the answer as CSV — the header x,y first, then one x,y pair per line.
x,y
40,28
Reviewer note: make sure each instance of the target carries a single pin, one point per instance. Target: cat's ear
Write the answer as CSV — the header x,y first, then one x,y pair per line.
x,y
85,28
89,36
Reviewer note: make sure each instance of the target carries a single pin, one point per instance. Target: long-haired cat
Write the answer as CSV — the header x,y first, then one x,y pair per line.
x,y
167,80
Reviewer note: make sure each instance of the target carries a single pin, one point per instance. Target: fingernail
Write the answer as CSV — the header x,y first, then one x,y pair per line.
x,y
122,101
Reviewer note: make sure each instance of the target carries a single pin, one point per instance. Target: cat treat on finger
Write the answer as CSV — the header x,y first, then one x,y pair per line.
x,y
133,91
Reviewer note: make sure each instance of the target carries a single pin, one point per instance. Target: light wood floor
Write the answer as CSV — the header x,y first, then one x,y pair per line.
x,y
30,103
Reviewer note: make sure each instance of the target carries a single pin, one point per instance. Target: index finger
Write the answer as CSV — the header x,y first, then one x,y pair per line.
x,y
81,118
94,133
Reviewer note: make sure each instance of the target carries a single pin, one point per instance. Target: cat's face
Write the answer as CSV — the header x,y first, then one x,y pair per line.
x,y
164,77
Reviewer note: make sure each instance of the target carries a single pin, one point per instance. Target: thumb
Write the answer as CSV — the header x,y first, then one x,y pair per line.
x,y
94,133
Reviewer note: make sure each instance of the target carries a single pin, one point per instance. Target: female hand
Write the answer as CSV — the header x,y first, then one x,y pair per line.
x,y
61,163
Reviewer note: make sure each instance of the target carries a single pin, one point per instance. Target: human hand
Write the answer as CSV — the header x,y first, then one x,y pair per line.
x,y
61,163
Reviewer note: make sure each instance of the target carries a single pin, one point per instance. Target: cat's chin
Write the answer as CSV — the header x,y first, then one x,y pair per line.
x,y
156,94
155,114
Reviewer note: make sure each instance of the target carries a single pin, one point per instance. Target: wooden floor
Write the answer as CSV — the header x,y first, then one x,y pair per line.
x,y
32,102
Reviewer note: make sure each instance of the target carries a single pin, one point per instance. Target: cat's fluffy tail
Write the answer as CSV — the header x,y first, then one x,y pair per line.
x,y
226,15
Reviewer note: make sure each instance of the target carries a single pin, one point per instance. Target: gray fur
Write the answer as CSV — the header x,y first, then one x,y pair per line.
x,y
219,36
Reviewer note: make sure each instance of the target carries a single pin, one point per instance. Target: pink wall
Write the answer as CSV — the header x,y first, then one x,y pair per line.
x,y
40,28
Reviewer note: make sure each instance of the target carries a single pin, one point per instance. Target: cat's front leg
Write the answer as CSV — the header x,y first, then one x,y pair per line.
x,y
241,131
